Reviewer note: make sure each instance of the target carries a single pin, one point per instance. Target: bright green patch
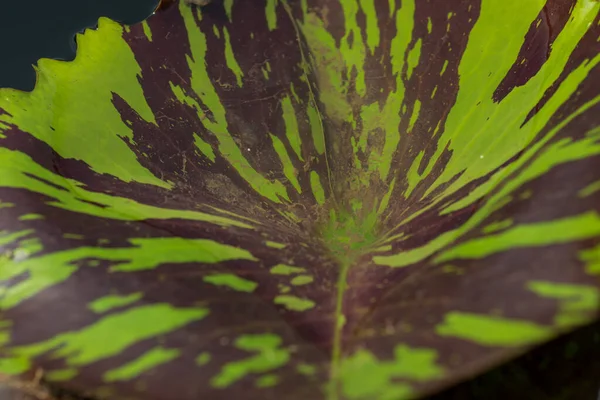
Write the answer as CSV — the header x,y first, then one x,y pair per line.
x,y
110,302
232,63
538,234
271,13
269,356
61,375
204,148
51,269
317,188
267,381
232,281
114,333
302,280
294,303
412,256
288,167
144,363
492,331
275,245
363,376
16,365
306,369
12,237
591,258
590,189
291,127
497,226
30,217
578,303
203,359
282,269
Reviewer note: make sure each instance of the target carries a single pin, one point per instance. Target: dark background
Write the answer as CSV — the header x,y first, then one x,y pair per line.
x,y
34,29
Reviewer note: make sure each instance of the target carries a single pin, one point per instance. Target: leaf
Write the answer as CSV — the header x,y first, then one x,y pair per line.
x,y
339,199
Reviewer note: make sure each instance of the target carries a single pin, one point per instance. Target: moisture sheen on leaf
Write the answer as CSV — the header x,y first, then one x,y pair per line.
x,y
311,199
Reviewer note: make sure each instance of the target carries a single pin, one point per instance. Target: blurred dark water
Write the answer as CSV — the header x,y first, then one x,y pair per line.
x,y
34,29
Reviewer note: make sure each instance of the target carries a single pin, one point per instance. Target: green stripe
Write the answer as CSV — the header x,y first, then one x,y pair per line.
x,y
578,304
271,14
144,363
269,356
232,281
294,303
230,60
363,376
492,331
51,269
15,171
12,237
288,167
114,333
291,126
528,235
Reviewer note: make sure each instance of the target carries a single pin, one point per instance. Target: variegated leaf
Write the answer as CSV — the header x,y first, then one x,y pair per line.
x,y
312,199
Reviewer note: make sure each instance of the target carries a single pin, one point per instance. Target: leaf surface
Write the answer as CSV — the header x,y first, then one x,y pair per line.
x,y
332,199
